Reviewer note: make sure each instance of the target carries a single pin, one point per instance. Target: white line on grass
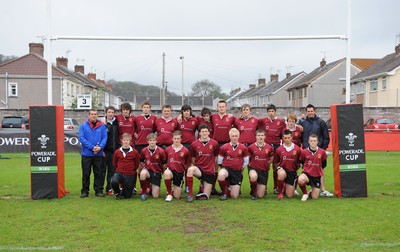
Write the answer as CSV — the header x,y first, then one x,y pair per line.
x,y
31,248
367,244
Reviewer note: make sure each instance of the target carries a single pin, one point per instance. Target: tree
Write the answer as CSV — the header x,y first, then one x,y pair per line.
x,y
206,88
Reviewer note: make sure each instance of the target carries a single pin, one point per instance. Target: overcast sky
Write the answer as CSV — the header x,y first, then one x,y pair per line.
x,y
375,25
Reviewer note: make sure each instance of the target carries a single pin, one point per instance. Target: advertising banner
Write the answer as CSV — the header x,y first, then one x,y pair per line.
x,y
46,153
349,150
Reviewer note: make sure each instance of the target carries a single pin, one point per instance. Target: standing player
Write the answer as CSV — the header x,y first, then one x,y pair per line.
x,y
126,121
287,158
273,127
222,123
314,160
165,126
126,162
144,125
188,126
315,125
205,118
261,156
232,157
297,132
204,152
247,126
178,161
112,144
152,160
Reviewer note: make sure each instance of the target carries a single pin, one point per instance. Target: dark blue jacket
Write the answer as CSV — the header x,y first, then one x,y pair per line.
x,y
315,126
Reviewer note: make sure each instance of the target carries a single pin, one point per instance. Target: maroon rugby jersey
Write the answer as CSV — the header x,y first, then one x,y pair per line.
x,y
222,125
204,155
208,123
144,126
297,136
153,161
288,159
177,160
273,128
165,129
233,157
188,129
312,163
126,125
259,157
247,129
126,163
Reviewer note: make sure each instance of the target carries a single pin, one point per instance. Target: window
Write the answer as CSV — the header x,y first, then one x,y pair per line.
x,y
384,83
300,93
373,85
353,89
290,95
12,89
361,87
305,92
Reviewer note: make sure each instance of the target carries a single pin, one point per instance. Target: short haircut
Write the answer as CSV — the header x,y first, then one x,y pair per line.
x,y
222,101
146,103
205,111
310,106
203,126
126,136
291,116
272,106
125,105
287,132
166,106
151,136
92,110
313,136
234,130
245,106
110,108
260,131
177,133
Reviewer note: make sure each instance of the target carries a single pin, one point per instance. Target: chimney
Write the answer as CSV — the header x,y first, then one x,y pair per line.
x,y
261,81
91,76
251,86
288,75
274,77
79,69
36,48
322,63
62,62
397,49
109,87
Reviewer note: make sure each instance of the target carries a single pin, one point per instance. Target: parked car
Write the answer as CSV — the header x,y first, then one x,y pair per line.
x,y
21,122
71,124
380,123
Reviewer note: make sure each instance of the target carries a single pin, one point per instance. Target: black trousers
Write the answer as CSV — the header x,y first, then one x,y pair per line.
x,y
109,169
127,184
97,163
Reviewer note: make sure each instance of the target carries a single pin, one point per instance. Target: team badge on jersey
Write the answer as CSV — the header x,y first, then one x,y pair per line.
x,y
211,147
226,119
319,155
240,151
182,154
278,123
192,122
296,134
252,120
157,156
294,152
130,119
266,151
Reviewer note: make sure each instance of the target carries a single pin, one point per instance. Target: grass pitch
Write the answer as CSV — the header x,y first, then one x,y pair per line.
x,y
104,224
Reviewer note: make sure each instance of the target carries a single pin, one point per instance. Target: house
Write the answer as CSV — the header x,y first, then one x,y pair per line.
x,y
25,81
275,93
378,85
323,86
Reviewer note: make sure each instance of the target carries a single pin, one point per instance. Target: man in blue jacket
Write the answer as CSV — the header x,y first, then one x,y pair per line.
x,y
93,137
315,125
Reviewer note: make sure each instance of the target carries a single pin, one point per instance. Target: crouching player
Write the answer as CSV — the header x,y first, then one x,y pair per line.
x,y
126,162
261,156
287,159
313,160
232,157
152,160
178,160
204,152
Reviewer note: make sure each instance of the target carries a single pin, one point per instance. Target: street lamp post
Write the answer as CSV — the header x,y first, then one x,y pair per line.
x,y
183,91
